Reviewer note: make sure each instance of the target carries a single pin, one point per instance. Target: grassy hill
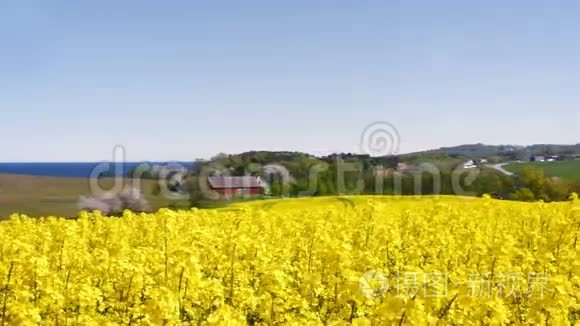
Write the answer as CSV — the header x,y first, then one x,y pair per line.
x,y
505,152
564,169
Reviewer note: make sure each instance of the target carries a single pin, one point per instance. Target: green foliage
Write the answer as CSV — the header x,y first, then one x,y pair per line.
x,y
505,152
524,194
564,169
324,176
196,196
534,181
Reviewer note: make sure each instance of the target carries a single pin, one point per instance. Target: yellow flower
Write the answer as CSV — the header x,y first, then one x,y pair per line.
x,y
337,261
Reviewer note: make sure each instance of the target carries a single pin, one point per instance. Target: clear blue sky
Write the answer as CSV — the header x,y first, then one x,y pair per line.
x,y
185,79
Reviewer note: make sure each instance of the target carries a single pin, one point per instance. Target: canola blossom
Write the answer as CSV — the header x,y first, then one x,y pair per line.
x,y
367,260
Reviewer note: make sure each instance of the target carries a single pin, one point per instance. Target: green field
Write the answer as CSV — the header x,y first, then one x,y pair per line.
x,y
564,169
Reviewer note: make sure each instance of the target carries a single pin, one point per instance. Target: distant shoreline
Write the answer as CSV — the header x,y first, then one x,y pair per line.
x,y
76,169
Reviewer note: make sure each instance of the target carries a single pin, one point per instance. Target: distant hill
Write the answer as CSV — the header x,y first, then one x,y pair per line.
x,y
294,174
513,152
460,152
569,170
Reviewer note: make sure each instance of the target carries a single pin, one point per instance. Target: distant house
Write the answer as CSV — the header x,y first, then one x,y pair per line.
x,y
538,158
469,164
405,167
232,186
382,172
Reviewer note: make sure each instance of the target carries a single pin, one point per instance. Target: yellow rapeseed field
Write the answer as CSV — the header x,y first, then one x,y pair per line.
x,y
333,260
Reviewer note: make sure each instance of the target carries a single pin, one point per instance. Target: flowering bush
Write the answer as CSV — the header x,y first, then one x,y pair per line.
x,y
335,260
115,203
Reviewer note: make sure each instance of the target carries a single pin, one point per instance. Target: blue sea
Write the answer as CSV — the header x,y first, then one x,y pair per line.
x,y
84,169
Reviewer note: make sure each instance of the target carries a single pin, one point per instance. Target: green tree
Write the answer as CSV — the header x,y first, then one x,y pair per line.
x,y
524,194
534,180
196,196
557,189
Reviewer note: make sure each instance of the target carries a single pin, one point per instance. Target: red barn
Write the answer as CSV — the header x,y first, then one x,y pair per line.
x,y
232,186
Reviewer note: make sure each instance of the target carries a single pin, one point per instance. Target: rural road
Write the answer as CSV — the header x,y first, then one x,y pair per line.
x,y
500,168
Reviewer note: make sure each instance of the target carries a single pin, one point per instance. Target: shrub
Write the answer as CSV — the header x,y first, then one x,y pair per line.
x,y
115,203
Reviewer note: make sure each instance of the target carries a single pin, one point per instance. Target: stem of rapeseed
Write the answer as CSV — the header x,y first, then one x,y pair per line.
x,y
272,311
574,246
181,279
492,275
35,287
519,306
165,249
310,246
353,310
179,287
559,243
60,255
127,295
402,319
66,295
232,275
447,307
166,261
404,315
576,237
6,293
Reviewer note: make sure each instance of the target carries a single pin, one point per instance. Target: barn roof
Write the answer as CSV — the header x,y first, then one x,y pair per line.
x,y
220,182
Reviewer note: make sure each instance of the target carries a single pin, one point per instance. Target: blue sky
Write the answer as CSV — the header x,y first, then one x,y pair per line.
x,y
186,79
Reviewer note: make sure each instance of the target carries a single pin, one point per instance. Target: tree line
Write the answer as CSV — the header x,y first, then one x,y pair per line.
x,y
343,174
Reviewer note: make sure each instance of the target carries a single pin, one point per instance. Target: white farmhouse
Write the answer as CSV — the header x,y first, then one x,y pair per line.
x,y
469,165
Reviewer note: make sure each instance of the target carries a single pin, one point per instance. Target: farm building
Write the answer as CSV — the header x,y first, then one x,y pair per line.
x,y
546,158
469,164
232,186
382,172
406,167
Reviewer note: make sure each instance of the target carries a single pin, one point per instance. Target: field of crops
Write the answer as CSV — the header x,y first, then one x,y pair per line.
x,y
564,169
339,260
